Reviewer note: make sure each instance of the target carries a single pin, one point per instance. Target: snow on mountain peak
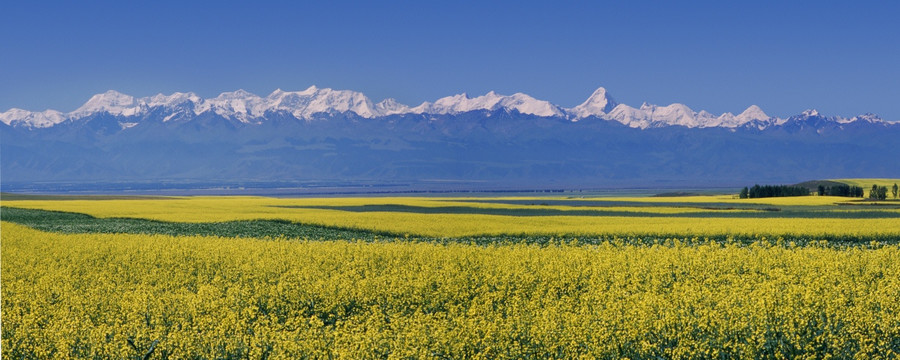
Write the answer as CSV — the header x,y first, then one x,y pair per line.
x,y
676,114
868,117
291,101
31,119
175,99
754,109
753,112
422,108
313,100
326,100
237,94
633,117
598,104
649,115
311,89
13,114
448,105
729,120
810,112
117,103
526,104
111,101
491,101
240,104
247,107
391,107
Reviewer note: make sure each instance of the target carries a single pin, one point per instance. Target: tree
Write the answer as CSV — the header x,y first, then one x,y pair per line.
x,y
894,190
873,194
758,191
882,193
821,190
745,192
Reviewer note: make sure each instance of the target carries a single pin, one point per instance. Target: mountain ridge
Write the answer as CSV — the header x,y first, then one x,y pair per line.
x,y
499,141
246,107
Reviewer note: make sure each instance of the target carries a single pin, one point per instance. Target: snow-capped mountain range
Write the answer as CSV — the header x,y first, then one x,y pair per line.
x,y
249,108
326,135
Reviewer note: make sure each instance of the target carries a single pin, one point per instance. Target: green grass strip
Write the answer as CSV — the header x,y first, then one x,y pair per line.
x,y
66,222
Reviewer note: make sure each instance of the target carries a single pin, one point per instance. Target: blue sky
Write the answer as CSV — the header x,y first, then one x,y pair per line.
x,y
842,58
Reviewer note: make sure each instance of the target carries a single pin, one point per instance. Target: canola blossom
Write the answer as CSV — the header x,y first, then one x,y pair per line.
x,y
486,280
118,296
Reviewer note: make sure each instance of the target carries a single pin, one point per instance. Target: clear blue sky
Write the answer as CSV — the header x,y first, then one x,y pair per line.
x,y
840,57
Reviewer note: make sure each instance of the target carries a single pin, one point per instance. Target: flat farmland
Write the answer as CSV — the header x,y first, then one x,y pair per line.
x,y
442,277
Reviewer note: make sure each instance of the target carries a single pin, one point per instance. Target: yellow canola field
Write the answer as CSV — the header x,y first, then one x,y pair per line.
x,y
217,209
89,295
222,206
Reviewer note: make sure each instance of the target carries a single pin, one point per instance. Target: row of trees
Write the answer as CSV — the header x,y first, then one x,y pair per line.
x,y
841,190
880,192
876,193
764,191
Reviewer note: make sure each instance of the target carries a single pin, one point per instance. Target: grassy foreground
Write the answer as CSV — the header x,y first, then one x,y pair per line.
x,y
115,296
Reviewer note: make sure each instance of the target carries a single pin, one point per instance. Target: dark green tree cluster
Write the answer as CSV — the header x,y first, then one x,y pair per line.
x,y
878,192
894,190
765,191
841,190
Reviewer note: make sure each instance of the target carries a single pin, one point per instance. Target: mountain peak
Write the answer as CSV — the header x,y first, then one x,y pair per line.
x,y
239,104
111,101
30,119
111,94
391,106
753,112
598,104
237,94
491,101
175,99
753,108
111,97
867,117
